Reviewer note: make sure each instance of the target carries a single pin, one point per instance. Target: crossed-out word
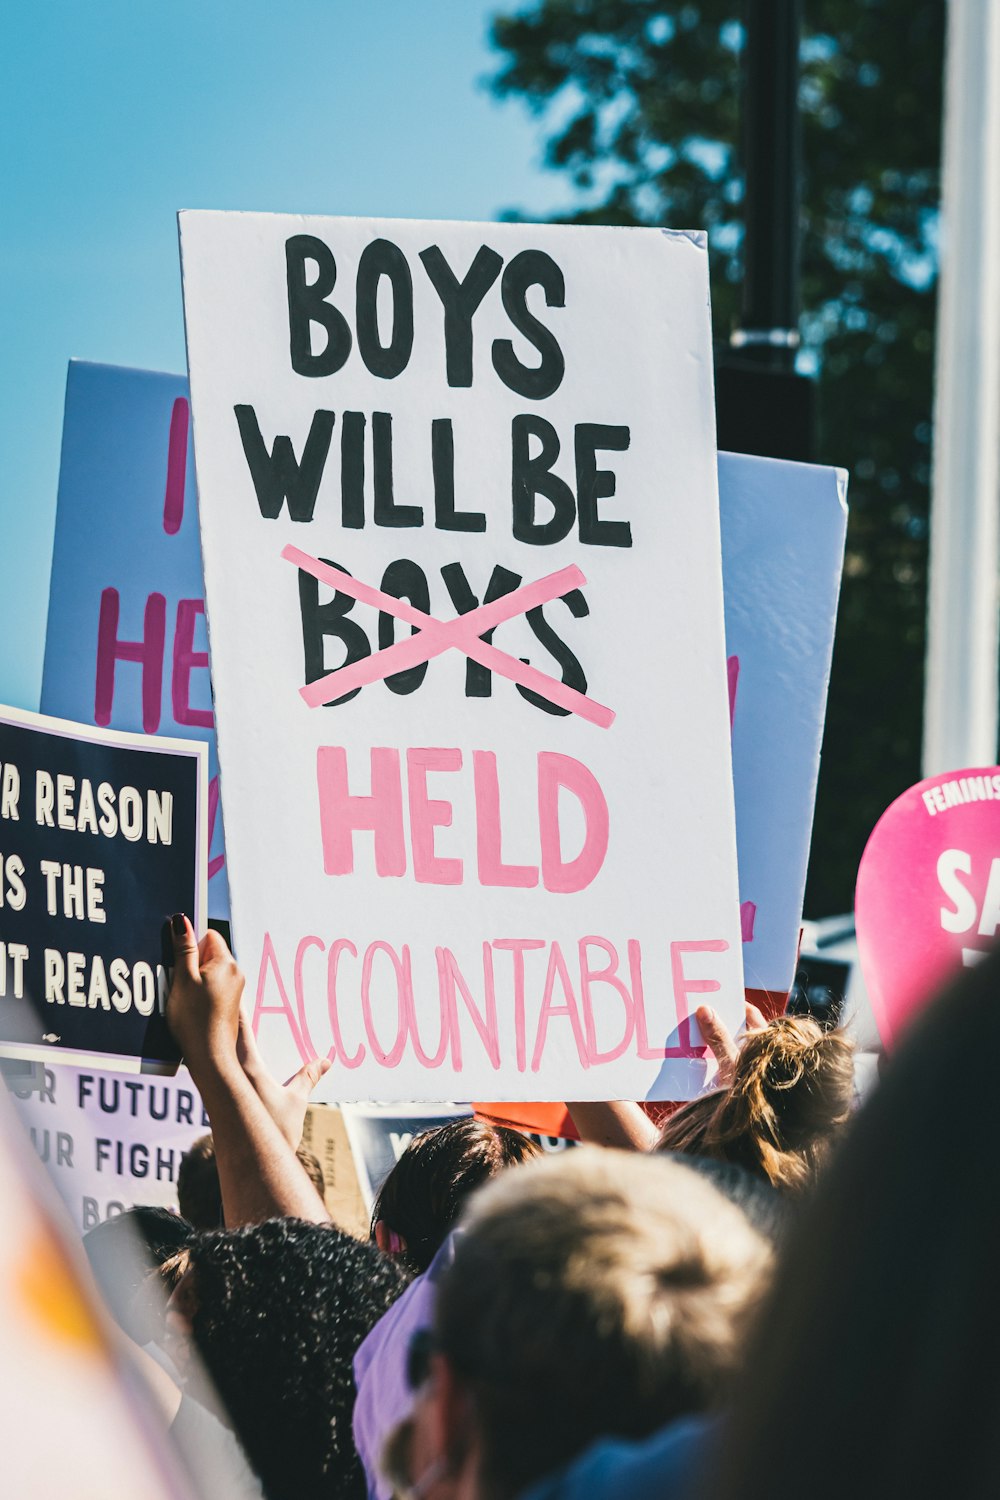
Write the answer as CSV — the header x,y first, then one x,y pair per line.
x,y
437,636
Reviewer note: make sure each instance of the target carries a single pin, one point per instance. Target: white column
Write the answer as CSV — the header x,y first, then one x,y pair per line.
x,y
960,707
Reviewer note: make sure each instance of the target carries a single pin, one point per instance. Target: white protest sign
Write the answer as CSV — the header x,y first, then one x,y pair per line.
x,y
109,1142
783,531
461,546
127,511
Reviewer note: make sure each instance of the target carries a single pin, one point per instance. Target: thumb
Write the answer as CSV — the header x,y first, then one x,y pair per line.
x,y
719,1038
185,946
305,1080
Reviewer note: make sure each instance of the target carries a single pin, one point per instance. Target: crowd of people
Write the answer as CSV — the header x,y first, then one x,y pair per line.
x,y
774,1290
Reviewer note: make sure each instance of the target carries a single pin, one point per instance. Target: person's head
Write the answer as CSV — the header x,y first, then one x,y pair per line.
x,y
122,1252
276,1312
424,1194
768,1209
792,1091
597,1292
876,1354
199,1195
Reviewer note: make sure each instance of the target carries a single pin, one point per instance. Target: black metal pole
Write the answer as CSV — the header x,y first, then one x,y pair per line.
x,y
768,333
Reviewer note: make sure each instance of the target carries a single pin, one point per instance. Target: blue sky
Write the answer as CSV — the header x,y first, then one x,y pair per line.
x,y
116,113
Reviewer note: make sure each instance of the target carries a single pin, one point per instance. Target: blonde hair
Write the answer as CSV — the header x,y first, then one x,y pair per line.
x,y
597,1292
792,1090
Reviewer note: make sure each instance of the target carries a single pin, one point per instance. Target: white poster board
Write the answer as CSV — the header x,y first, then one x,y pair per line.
x,y
783,531
504,866
127,508
109,1142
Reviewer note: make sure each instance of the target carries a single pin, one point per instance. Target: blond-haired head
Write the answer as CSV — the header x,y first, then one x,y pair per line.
x,y
594,1292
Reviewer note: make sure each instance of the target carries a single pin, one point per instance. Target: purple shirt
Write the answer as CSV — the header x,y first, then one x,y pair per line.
x,y
384,1396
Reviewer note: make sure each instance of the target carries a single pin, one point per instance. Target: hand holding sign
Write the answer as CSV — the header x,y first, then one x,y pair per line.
x,y
203,1007
205,1016
725,1048
259,1175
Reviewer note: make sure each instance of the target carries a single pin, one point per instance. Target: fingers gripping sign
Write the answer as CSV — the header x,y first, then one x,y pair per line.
x,y
203,1006
259,1175
723,1045
203,1012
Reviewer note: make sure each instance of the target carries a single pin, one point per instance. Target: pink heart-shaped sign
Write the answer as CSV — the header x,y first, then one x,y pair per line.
x,y
928,894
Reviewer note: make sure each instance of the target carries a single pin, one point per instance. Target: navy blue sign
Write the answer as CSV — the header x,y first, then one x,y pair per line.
x,y
102,837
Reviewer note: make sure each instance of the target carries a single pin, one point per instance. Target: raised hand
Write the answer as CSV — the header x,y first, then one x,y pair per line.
x,y
724,1046
286,1103
259,1174
203,1007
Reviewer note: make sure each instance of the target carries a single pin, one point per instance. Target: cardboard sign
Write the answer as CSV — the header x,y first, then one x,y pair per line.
x,y
783,531
126,641
460,534
928,894
324,1133
109,1142
102,836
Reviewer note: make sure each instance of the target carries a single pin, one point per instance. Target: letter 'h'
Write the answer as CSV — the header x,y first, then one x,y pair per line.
x,y
340,813
148,653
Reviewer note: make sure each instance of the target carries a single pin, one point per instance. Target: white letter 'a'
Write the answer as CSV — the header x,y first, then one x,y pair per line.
x,y
950,862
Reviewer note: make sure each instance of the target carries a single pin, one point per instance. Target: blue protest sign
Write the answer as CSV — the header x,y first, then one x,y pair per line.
x,y
126,644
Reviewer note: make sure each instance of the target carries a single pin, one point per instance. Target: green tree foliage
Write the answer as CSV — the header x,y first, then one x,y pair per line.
x,y
639,104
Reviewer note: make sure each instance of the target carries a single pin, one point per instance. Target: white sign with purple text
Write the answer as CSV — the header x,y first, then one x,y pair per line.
x,y
109,1142
460,533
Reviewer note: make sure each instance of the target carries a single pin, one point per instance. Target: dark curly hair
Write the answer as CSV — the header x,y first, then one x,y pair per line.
x,y
281,1309
424,1194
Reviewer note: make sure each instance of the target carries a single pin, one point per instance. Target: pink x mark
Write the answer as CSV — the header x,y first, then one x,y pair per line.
x,y
437,636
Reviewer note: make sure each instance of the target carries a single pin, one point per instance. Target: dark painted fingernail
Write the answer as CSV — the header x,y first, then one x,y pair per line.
x,y
177,924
